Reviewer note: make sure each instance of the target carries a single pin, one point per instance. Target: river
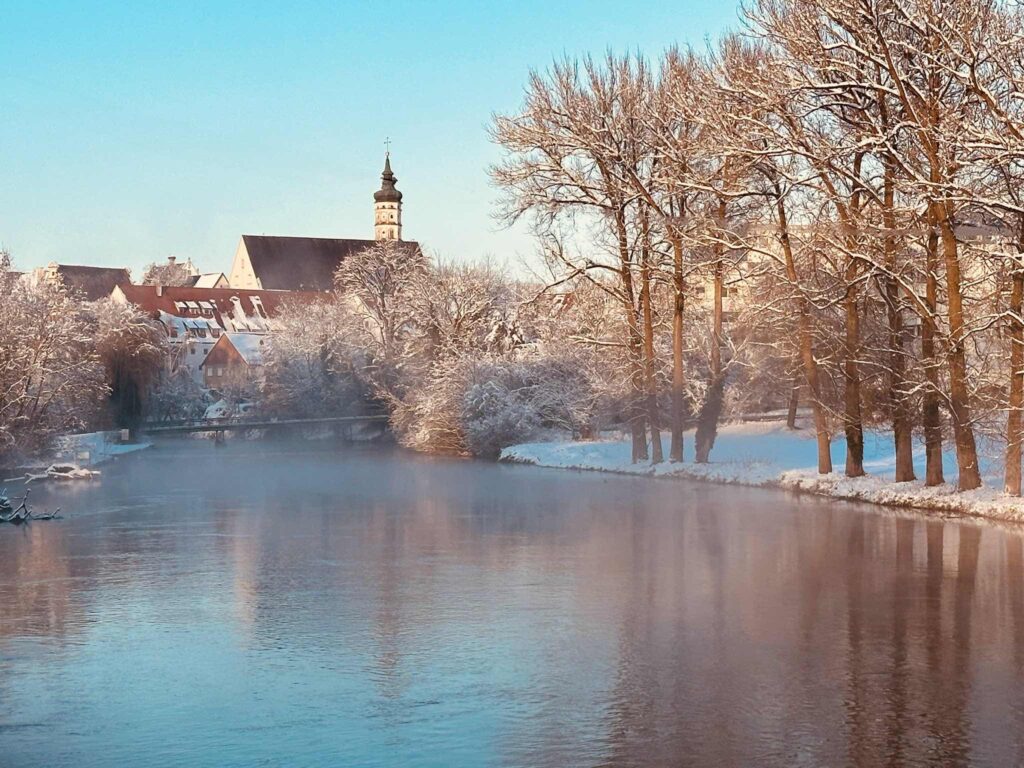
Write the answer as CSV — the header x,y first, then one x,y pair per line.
x,y
305,605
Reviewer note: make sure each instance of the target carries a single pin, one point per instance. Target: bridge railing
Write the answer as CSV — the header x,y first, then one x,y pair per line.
x,y
235,424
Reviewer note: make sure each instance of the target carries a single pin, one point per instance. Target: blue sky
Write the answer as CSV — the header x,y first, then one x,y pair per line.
x,y
132,131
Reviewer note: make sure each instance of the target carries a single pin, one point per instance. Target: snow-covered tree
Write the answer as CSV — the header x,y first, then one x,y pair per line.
x,y
314,361
378,285
51,378
171,273
133,350
176,395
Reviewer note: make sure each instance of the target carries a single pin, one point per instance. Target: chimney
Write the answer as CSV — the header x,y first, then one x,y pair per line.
x,y
171,260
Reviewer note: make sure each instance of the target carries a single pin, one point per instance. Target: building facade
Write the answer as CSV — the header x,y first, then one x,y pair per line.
x,y
195,319
234,362
275,263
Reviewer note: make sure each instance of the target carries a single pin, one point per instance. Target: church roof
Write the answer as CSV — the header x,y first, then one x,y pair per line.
x,y
91,283
302,263
387,192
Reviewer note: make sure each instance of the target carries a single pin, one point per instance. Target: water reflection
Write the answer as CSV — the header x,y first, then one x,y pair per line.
x,y
301,606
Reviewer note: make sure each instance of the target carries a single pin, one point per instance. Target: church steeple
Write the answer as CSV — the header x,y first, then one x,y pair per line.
x,y
387,205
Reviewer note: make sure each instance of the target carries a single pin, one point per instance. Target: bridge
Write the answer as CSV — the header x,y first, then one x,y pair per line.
x,y
234,425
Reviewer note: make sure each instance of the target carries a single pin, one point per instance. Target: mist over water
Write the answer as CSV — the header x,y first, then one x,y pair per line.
x,y
305,605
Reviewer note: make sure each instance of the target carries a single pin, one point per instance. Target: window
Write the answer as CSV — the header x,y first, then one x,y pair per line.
x,y
192,350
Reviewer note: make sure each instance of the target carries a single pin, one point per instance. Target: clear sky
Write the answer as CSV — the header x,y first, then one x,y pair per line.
x,y
130,131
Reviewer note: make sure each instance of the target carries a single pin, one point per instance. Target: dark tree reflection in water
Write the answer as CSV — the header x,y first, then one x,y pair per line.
x,y
304,605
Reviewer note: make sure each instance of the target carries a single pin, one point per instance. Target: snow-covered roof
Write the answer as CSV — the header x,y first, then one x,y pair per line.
x,y
249,346
210,280
234,310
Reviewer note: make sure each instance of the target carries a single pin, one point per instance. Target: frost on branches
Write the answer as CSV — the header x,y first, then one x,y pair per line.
x,y
51,378
68,365
822,213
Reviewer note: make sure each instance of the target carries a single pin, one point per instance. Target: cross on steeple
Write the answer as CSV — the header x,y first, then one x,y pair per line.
x,y
387,146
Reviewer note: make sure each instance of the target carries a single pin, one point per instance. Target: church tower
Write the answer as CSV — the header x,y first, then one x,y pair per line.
x,y
387,206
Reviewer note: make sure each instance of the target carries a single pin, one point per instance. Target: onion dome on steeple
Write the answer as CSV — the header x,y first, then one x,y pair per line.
x,y
387,192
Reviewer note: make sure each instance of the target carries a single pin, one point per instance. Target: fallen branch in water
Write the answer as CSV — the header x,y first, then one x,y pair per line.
x,y
62,472
22,514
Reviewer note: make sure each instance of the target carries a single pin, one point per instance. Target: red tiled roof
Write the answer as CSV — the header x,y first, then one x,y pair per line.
x,y
154,299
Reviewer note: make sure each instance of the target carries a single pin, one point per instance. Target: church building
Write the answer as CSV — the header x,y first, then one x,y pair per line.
x,y
272,263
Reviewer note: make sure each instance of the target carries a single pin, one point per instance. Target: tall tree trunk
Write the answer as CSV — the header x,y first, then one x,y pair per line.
x,y
902,429
711,410
852,423
959,394
794,403
635,340
929,330
650,374
638,434
675,452
806,341
1015,417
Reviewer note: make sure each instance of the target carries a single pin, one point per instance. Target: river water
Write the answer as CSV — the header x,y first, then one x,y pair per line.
x,y
273,604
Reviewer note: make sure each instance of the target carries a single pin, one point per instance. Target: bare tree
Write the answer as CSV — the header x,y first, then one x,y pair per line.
x,y
133,349
378,284
566,155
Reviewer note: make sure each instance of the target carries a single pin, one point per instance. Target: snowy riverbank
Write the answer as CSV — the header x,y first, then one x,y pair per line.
x,y
768,454
93,448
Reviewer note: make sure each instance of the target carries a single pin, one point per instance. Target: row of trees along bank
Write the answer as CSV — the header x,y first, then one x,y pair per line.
x,y
852,166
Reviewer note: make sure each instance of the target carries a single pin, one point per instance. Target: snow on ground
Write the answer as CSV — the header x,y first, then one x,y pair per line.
x,y
768,454
94,448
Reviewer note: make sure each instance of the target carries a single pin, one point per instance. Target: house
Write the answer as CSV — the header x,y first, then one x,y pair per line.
x,y
234,361
212,280
196,318
272,263
88,283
